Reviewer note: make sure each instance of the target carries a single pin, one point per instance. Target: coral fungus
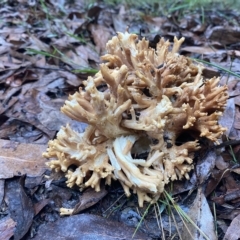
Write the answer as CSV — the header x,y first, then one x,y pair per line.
x,y
152,98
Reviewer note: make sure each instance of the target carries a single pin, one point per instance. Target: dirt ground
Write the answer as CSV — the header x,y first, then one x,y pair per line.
x,y
47,48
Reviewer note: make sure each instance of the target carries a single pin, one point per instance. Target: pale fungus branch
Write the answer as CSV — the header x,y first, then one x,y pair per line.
x,y
152,97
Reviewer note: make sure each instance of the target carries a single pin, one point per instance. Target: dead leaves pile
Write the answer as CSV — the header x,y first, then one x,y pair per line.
x,y
46,49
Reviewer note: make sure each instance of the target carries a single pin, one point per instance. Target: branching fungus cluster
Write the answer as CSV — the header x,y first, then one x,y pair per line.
x,y
152,98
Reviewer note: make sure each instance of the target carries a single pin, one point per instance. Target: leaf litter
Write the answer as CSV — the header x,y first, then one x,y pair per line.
x,y
47,48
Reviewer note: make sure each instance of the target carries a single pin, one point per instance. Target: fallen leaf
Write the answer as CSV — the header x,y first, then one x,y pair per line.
x,y
210,50
215,179
50,116
61,195
71,78
88,52
237,118
202,50
221,164
201,215
74,60
231,184
218,200
224,35
236,170
204,167
222,224
210,72
19,158
233,231
94,11
101,35
227,119
130,217
87,227
89,198
184,185
232,196
20,206
40,205
33,182
229,213
7,226
119,23
2,192
37,44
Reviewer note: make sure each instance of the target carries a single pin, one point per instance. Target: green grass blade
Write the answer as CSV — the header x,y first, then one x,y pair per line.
x,y
43,53
217,66
86,70
140,222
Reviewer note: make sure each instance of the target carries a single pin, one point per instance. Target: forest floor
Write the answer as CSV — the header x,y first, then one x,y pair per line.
x,y
47,48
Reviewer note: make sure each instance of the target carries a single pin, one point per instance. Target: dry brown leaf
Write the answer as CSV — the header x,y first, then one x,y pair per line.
x,y
233,85
101,35
222,224
190,22
71,78
201,215
40,205
215,179
236,170
237,99
210,72
65,41
13,63
227,119
87,227
119,23
237,118
202,50
221,164
89,198
5,107
88,52
210,50
74,60
5,44
34,106
20,206
183,186
223,35
38,44
5,129
204,167
231,184
7,226
229,213
75,23
50,117
17,159
232,196
1,190
233,231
